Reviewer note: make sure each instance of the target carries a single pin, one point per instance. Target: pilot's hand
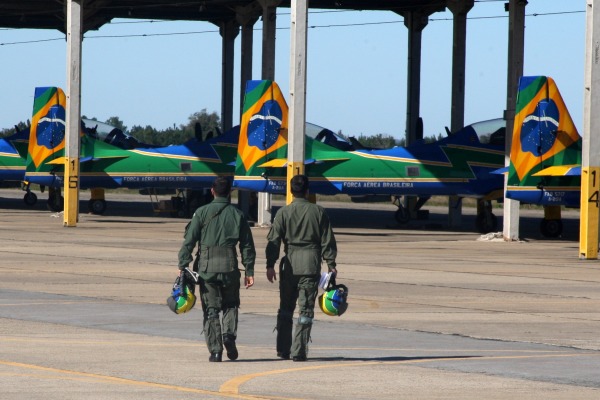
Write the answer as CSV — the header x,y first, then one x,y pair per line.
x,y
271,275
333,272
249,281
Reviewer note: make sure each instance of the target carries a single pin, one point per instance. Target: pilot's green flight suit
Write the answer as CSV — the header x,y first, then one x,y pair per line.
x,y
218,227
307,236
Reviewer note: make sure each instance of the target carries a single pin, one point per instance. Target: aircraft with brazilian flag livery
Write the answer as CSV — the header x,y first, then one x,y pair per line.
x,y
545,157
191,165
460,164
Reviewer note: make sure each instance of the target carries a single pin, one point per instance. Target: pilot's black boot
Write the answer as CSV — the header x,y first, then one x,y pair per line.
x,y
284,334
229,343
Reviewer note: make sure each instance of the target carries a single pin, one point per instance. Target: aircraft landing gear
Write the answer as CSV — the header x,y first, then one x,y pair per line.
x,y
411,208
485,221
551,228
55,200
97,206
30,198
401,215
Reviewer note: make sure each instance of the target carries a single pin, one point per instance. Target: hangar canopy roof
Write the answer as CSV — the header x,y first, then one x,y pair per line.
x,y
50,14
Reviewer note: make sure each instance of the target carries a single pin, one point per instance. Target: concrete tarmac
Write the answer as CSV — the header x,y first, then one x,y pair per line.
x,y
434,313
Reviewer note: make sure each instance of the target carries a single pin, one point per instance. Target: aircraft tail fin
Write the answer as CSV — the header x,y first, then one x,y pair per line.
x,y
544,134
47,132
263,128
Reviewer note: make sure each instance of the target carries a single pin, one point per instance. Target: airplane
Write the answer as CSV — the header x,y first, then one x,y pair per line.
x,y
12,166
191,165
545,157
457,165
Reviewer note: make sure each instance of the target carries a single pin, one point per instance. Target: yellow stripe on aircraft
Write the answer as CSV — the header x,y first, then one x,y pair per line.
x,y
276,163
486,165
475,149
176,156
346,179
9,155
557,170
403,159
546,188
282,162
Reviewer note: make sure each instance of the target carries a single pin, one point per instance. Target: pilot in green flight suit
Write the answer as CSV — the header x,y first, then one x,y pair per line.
x,y
308,238
218,227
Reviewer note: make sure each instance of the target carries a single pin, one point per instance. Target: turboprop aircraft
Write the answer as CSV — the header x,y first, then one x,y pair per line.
x,y
545,157
457,165
191,165
12,166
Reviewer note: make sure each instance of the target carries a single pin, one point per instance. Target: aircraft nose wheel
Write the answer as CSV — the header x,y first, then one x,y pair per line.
x,y
401,215
551,228
30,198
97,206
486,222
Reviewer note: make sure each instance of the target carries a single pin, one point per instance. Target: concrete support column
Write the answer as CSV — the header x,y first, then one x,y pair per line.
x,y
269,20
459,9
229,31
415,21
516,45
590,162
297,114
73,111
246,18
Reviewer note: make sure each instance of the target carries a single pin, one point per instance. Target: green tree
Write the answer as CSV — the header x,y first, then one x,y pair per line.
x,y
117,123
11,131
431,139
378,141
202,125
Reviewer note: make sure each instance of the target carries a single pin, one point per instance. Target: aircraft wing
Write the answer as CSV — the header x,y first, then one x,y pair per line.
x,y
500,171
282,162
560,170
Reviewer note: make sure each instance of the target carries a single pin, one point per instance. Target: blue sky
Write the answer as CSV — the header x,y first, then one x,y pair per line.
x,y
356,67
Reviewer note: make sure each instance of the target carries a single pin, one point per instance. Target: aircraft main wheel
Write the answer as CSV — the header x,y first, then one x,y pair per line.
x,y
486,222
551,228
97,206
402,216
30,198
56,203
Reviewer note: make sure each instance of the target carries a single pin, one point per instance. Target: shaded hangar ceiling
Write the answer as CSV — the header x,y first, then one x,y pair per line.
x,y
51,14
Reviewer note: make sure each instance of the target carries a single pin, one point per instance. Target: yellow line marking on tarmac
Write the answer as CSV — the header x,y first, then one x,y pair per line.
x,y
232,386
122,381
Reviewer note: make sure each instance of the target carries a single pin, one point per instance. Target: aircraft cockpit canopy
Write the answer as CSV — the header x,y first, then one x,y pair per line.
x,y
110,134
492,131
326,136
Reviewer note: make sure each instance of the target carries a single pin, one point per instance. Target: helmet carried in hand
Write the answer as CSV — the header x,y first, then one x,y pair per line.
x,y
334,300
182,298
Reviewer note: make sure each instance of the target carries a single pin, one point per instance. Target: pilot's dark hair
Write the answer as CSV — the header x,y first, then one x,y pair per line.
x,y
299,185
222,186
